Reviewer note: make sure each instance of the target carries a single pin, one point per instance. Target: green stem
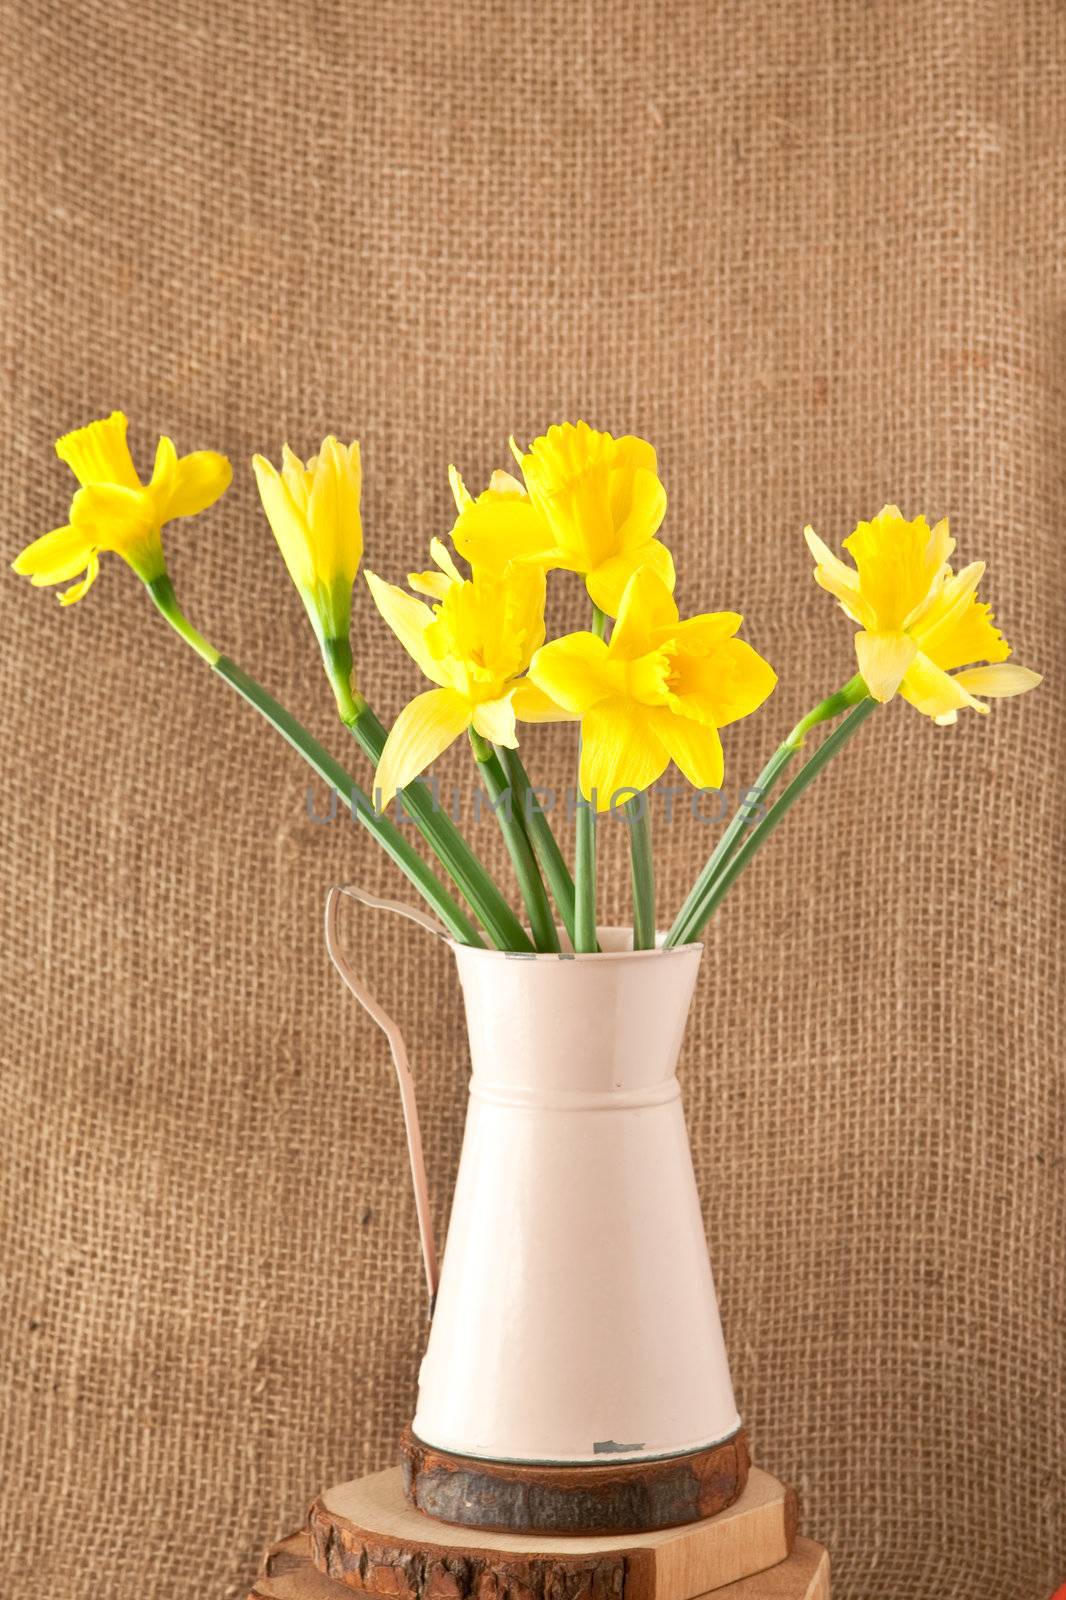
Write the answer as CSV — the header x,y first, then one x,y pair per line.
x,y
447,843
381,827
842,700
638,818
325,766
166,602
534,896
585,939
337,660
781,806
545,845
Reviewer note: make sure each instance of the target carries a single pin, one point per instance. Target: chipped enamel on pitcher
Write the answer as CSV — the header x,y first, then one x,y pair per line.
x,y
575,1319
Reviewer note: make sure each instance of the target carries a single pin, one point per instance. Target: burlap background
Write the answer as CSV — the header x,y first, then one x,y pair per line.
x,y
814,252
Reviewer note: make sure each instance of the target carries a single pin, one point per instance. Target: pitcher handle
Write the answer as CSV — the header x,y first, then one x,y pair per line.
x,y
392,1033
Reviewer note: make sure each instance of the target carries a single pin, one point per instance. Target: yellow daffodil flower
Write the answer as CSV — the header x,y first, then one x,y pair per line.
x,y
919,621
313,510
590,503
474,642
114,510
659,691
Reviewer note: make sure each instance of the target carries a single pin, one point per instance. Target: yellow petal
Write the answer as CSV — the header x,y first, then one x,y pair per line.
x,y
958,630
333,514
55,556
425,727
288,526
440,553
576,671
533,705
409,619
494,720
607,582
296,478
947,598
700,634
498,528
78,591
934,693
98,453
694,748
505,483
436,584
883,659
164,472
845,576
620,752
997,681
839,580
824,557
729,681
645,610
432,584
941,544
460,493
633,455
638,499
199,479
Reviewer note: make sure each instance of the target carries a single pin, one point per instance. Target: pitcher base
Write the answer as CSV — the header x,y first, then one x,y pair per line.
x,y
577,1501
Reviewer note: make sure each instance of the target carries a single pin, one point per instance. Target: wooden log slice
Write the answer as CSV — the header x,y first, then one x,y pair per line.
x,y
624,1497
367,1536
289,1574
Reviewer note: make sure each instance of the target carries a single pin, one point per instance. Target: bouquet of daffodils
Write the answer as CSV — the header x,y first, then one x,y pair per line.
x,y
645,686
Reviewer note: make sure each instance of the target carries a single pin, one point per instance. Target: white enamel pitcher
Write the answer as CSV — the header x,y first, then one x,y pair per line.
x,y
575,1318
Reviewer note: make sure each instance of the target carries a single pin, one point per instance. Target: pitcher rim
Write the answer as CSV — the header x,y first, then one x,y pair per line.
x,y
484,951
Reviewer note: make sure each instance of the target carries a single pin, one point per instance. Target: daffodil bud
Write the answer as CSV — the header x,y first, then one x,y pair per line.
x,y
313,511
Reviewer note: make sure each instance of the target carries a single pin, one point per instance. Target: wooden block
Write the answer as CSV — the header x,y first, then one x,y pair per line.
x,y
290,1574
367,1536
804,1576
